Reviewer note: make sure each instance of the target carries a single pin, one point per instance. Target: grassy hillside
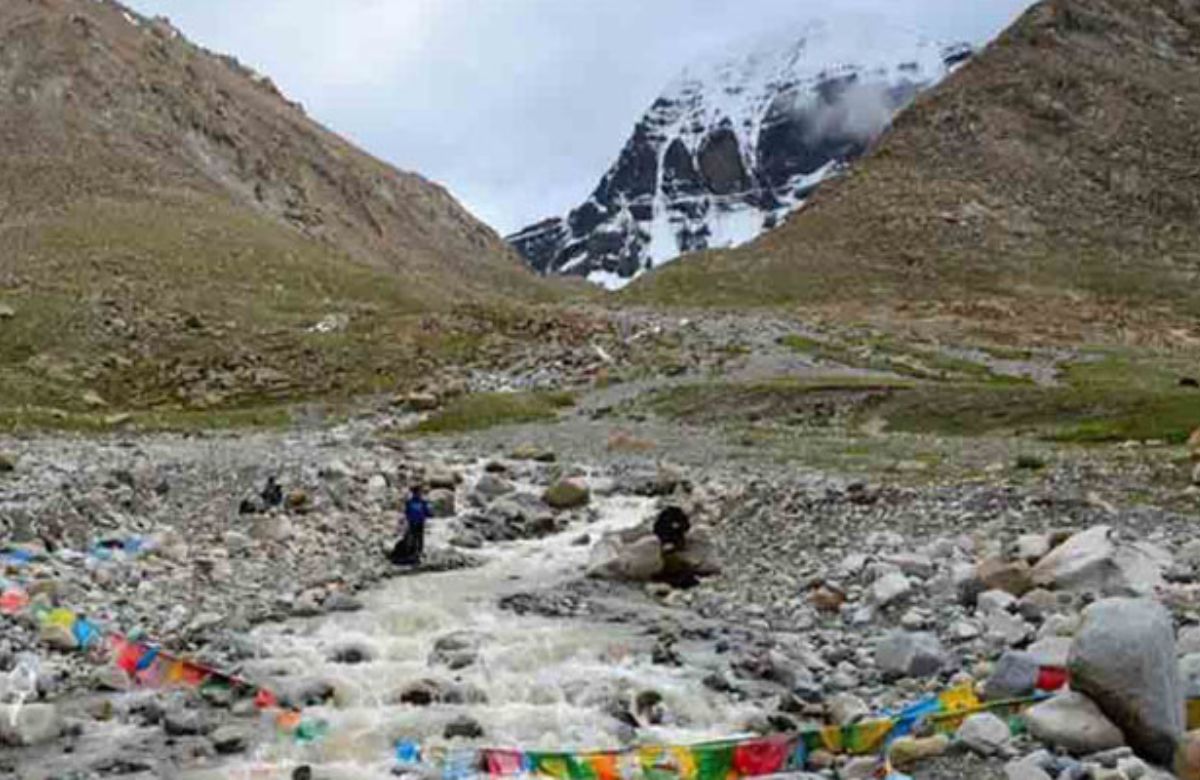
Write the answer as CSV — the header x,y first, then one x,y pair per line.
x,y
1055,179
173,231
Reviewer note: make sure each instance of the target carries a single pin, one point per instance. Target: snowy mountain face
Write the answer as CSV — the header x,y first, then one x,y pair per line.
x,y
731,148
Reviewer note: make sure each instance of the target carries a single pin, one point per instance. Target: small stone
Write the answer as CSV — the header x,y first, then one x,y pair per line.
x,y
907,751
1007,628
1032,547
7,312
985,734
8,463
1014,677
340,601
421,402
186,723
1026,768
1073,722
846,708
890,588
1009,576
230,739
29,724
910,654
93,399
995,601
1051,651
859,768
490,487
58,637
827,599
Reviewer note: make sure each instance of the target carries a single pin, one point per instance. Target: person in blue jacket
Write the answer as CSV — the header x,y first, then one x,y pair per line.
x,y
416,512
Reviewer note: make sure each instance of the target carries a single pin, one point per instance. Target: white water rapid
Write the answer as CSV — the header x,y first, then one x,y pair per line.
x,y
548,682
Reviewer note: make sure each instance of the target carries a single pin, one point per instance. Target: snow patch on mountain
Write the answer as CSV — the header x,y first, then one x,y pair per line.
x,y
734,145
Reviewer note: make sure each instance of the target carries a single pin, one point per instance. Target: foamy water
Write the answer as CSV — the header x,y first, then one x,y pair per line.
x,y
547,682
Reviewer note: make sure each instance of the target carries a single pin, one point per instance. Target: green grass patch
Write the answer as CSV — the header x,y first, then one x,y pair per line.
x,y
775,400
1117,398
167,420
489,410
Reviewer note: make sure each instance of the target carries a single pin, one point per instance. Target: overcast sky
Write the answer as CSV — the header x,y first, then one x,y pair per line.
x,y
518,106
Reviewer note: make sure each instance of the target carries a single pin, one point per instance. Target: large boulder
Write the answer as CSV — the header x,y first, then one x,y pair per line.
x,y
567,494
698,557
1095,561
1074,723
1123,658
638,561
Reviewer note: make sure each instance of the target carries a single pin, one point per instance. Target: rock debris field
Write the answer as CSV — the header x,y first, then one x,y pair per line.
x,y
549,616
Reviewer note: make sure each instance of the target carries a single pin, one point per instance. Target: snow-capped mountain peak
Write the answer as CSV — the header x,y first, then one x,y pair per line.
x,y
736,143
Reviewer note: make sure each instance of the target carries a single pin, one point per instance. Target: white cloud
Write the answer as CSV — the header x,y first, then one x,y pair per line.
x,y
518,106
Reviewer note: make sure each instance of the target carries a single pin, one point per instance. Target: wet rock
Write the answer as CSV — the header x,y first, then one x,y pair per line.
x,y
351,654
29,724
910,654
463,727
638,561
696,558
985,734
340,601
1073,722
490,487
422,693
230,739
187,723
308,693
307,604
1124,659
567,494
464,693
457,650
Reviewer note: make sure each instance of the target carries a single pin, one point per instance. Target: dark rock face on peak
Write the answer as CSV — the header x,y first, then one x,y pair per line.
x,y
729,150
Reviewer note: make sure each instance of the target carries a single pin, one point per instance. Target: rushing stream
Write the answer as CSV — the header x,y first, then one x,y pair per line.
x,y
545,683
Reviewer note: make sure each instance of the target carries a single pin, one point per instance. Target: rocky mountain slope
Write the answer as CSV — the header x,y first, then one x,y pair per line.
x,y
734,145
1055,178
163,204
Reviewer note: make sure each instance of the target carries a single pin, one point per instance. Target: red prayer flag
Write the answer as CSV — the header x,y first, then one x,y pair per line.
x,y
1051,678
761,756
265,700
